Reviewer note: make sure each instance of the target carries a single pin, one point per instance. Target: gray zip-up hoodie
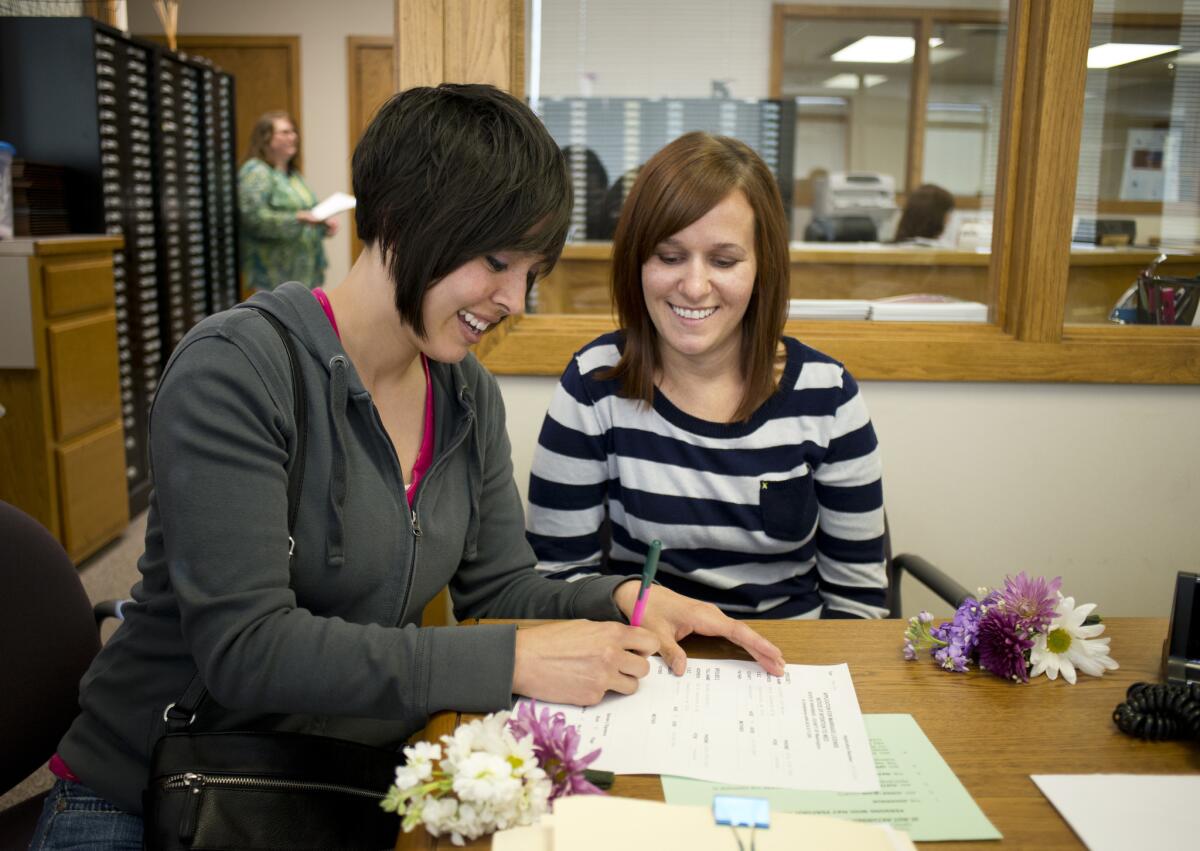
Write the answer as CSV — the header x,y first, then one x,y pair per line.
x,y
332,645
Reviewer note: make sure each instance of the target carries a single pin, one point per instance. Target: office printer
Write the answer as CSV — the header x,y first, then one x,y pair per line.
x,y
855,194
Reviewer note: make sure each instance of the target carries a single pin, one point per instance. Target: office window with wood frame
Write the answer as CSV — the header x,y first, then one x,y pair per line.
x,y
1034,54
1138,184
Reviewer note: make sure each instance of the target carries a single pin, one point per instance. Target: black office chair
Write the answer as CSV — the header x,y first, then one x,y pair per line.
x,y
842,229
927,574
919,569
50,634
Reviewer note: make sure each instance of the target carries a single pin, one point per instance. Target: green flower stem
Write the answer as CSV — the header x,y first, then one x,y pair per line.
x,y
918,633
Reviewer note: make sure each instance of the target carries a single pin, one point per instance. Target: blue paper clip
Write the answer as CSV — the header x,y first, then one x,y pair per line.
x,y
737,811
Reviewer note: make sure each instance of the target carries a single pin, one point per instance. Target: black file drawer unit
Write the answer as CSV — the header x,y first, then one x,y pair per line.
x,y
148,136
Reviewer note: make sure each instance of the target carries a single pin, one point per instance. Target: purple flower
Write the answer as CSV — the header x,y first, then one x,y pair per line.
x,y
1004,641
959,637
1033,599
953,657
555,743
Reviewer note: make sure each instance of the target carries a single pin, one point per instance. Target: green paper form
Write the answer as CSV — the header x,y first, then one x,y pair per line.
x,y
918,793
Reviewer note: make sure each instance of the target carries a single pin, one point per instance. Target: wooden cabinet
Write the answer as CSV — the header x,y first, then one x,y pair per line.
x,y
62,444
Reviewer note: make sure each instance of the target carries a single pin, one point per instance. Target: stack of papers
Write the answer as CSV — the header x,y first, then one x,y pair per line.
x,y
919,793
602,823
927,308
907,308
828,308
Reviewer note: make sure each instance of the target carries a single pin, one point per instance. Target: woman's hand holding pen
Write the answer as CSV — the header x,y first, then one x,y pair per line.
x,y
577,662
672,617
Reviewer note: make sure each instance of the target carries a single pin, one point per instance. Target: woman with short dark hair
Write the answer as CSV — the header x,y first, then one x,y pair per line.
x,y
925,213
749,455
463,200
279,239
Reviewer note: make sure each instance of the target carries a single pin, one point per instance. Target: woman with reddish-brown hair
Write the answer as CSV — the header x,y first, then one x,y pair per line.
x,y
280,240
749,455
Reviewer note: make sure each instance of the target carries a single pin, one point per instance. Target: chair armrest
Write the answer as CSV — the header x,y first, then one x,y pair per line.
x,y
108,609
931,577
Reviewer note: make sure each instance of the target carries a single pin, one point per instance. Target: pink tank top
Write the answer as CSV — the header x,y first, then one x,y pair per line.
x,y
425,453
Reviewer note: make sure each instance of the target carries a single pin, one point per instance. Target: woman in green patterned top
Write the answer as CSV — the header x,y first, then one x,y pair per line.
x,y
280,239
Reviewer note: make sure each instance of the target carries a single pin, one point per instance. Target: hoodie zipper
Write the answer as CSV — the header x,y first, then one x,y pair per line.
x,y
196,783
416,523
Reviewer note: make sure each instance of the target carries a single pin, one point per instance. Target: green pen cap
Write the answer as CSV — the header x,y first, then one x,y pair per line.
x,y
651,566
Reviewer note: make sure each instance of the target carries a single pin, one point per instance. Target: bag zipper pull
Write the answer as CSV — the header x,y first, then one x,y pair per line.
x,y
191,810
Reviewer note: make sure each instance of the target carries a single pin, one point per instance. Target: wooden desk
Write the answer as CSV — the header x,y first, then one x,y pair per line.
x,y
993,734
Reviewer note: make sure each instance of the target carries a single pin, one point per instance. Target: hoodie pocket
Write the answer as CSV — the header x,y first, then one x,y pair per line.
x,y
788,507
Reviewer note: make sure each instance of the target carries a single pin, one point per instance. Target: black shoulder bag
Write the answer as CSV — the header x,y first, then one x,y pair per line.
x,y
266,790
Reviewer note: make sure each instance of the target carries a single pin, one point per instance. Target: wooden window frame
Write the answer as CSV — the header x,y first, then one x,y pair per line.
x,y
1040,130
923,21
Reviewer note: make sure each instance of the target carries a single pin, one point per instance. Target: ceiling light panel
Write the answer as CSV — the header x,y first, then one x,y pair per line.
x,y
881,48
851,81
1112,54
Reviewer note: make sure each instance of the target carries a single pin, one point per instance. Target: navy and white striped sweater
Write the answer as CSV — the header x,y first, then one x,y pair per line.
x,y
777,517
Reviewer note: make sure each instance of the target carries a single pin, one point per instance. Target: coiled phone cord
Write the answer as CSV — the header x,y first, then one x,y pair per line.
x,y
1157,712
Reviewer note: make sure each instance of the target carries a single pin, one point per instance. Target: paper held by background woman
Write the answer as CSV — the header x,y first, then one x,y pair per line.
x,y
336,203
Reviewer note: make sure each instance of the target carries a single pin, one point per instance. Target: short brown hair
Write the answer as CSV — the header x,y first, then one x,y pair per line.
x,y
924,215
260,137
447,174
676,187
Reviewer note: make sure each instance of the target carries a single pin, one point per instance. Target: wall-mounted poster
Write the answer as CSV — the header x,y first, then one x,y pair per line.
x,y
1143,176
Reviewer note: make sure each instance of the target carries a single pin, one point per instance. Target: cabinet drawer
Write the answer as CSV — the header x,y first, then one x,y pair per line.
x,y
74,284
84,376
92,499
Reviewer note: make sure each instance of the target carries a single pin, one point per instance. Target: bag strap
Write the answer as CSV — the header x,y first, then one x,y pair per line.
x,y
180,714
300,414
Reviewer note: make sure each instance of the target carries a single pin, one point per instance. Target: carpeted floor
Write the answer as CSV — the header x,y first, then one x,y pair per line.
x,y
107,575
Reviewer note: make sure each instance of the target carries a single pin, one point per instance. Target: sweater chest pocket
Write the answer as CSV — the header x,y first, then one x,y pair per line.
x,y
788,507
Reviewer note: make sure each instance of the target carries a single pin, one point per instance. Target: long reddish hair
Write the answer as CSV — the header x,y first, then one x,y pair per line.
x,y
676,187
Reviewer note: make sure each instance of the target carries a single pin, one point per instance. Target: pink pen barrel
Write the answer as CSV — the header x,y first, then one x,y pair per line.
x,y
639,608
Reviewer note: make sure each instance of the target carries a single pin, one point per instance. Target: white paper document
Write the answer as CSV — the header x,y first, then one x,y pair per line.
x,y
1122,811
732,722
336,203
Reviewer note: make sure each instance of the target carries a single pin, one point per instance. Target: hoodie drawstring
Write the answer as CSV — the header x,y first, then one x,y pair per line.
x,y
334,550
474,477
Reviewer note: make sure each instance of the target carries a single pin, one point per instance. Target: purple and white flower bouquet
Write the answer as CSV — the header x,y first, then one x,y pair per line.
x,y
1023,630
493,773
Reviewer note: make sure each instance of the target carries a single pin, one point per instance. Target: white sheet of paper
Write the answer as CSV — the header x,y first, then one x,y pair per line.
x,y
732,722
336,203
1122,811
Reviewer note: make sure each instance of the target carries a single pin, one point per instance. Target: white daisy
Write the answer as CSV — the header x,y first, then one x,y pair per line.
x,y
1067,644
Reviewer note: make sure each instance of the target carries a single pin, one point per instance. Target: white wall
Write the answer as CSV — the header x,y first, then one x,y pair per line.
x,y
1097,484
322,28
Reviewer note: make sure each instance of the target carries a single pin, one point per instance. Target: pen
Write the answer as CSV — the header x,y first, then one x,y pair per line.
x,y
648,571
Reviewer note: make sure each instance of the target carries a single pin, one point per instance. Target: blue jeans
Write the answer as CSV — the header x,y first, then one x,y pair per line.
x,y
75,817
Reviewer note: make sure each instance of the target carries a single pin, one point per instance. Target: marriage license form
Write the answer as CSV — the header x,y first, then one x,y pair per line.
x,y
732,722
